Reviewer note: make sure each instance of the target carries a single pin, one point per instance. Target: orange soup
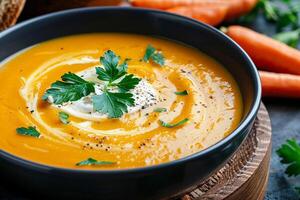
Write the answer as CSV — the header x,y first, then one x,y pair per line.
x,y
109,100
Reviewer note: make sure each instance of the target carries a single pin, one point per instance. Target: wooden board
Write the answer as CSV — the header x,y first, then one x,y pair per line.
x,y
245,175
9,12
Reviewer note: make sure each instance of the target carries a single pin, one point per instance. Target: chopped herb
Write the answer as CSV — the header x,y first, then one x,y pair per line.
x,y
290,38
164,124
63,117
91,161
152,54
182,93
71,88
159,110
114,104
290,154
30,131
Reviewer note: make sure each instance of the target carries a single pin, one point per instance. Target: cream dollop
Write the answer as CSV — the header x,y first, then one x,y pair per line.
x,y
144,95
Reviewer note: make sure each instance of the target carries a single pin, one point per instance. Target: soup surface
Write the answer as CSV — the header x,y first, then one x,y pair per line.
x,y
175,101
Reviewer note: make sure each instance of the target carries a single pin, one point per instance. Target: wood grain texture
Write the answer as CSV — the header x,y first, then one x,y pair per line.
x,y
245,175
9,12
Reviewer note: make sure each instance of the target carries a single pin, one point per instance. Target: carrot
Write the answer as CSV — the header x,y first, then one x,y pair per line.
x,y
267,53
238,8
211,14
280,85
160,4
235,7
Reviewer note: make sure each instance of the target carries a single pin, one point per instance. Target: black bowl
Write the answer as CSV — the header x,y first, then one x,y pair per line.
x,y
155,182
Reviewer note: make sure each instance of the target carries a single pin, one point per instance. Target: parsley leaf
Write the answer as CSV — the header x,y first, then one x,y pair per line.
x,y
112,70
152,54
290,154
159,110
63,117
112,104
30,131
182,93
92,161
167,125
290,38
127,83
71,88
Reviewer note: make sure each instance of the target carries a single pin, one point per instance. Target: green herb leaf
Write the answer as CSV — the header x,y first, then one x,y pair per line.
x,y
182,93
290,154
297,189
159,110
63,117
290,38
30,131
270,10
167,125
112,70
152,54
71,88
127,83
91,161
150,50
112,104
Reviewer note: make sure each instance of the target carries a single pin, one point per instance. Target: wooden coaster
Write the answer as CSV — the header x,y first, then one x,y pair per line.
x,y
245,175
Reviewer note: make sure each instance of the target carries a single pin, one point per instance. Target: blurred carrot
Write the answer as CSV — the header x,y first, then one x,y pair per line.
x,y
235,7
267,53
211,14
280,85
238,8
160,4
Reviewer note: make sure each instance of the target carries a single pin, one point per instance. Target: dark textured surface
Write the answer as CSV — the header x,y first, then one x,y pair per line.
x,y
285,118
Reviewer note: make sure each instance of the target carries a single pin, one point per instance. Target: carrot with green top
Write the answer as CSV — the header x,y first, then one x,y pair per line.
x,y
268,54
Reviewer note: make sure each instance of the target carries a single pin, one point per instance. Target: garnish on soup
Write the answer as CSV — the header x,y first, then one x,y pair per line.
x,y
64,117
30,131
168,125
152,54
92,161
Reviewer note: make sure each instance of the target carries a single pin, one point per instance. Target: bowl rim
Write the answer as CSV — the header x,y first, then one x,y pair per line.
x,y
211,149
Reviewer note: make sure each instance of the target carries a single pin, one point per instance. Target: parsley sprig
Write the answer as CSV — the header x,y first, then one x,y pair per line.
x,y
71,88
290,154
114,76
114,104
